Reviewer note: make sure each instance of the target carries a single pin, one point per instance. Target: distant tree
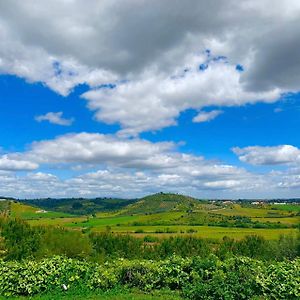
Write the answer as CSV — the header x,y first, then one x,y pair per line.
x,y
77,205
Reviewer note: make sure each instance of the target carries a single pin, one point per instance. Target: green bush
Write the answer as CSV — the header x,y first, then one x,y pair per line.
x,y
281,280
20,239
196,278
232,279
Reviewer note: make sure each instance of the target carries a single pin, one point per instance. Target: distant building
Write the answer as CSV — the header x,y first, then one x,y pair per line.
x,y
227,202
42,211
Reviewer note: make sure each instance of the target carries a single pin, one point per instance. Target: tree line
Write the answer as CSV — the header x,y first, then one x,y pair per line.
x,y
19,240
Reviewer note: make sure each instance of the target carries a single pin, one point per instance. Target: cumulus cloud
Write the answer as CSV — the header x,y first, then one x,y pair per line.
x,y
155,101
152,53
114,166
132,183
120,165
55,118
10,164
207,116
276,155
144,63
116,182
95,148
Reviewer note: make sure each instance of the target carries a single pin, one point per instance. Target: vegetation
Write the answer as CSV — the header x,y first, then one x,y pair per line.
x,y
80,206
166,245
20,240
119,293
162,202
194,278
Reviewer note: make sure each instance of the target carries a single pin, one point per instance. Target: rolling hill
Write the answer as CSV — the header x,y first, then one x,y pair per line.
x,y
156,203
79,206
162,202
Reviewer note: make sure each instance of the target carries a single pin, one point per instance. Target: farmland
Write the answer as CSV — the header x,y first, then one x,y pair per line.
x,y
106,253
163,215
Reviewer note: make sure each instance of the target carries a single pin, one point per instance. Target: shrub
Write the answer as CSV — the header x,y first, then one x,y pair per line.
x,y
198,278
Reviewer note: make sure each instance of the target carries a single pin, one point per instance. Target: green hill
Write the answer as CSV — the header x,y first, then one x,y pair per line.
x,y
162,202
79,206
4,205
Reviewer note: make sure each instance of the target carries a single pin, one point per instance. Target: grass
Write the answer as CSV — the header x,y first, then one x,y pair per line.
x,y
117,294
4,205
24,211
238,210
162,202
168,223
56,221
287,207
282,220
174,223
210,232
129,220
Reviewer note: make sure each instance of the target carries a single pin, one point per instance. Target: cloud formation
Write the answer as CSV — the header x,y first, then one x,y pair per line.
x,y
55,118
10,164
276,155
153,54
204,116
116,165
107,165
143,64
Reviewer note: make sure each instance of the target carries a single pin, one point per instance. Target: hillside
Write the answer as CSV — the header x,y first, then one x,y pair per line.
x,y
79,206
4,205
162,202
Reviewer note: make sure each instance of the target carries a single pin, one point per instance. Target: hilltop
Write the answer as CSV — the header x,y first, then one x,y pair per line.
x,y
162,202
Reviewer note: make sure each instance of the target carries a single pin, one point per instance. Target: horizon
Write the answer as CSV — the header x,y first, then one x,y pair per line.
x,y
149,195
128,99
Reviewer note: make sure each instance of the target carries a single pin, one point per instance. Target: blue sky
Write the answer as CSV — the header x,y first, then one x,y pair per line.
x,y
94,107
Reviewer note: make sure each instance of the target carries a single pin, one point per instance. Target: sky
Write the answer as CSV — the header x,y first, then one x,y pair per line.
x,y
123,98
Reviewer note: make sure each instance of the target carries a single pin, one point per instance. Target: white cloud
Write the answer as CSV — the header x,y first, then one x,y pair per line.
x,y
206,116
145,63
10,164
276,155
223,184
111,166
155,102
119,165
129,183
55,118
95,148
144,49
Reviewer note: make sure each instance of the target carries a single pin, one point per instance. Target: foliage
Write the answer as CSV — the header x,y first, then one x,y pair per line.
x,y
23,241
196,278
162,202
20,240
86,206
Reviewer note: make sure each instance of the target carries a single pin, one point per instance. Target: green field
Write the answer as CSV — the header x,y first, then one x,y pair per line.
x,y
265,211
287,207
210,232
24,211
165,215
